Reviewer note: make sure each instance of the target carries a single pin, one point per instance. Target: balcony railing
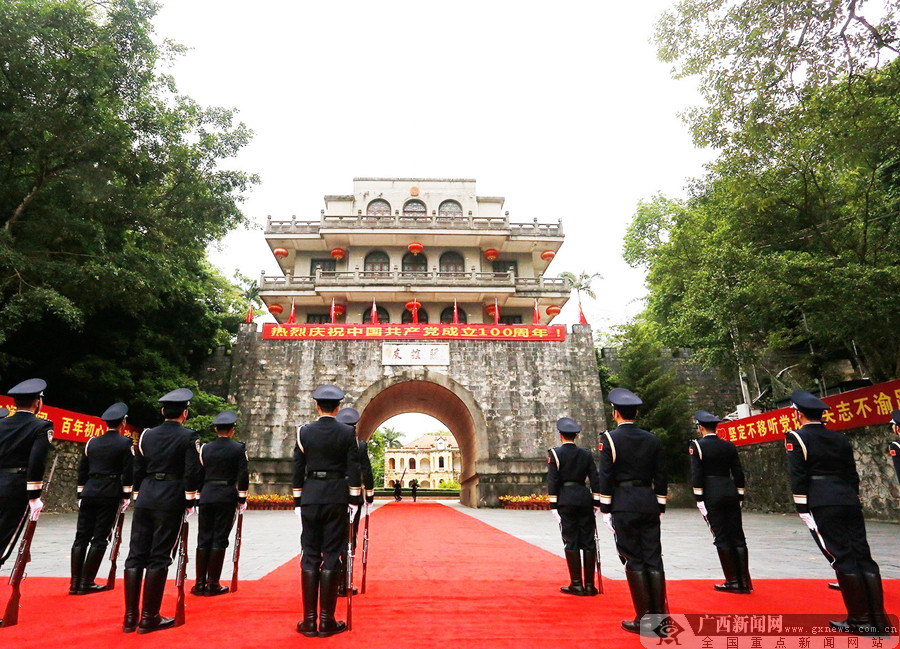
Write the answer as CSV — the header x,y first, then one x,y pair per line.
x,y
398,278
293,226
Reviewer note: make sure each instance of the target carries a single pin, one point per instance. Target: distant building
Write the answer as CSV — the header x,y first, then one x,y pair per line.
x,y
431,459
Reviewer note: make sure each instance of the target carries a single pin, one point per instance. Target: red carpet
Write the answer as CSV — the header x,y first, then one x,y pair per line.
x,y
437,578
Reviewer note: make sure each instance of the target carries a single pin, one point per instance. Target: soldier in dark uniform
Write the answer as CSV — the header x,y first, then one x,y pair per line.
x,y
350,416
226,480
326,461
633,490
825,485
166,480
24,444
718,482
894,448
574,505
414,488
104,487
398,491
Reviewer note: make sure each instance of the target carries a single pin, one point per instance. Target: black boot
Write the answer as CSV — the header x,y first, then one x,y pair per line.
x,y
833,585
875,595
573,562
216,560
77,569
91,566
853,590
640,597
729,567
742,559
132,598
309,587
659,603
202,562
328,585
588,563
154,586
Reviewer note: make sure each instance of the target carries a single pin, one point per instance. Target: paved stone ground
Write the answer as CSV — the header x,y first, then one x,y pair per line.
x,y
780,545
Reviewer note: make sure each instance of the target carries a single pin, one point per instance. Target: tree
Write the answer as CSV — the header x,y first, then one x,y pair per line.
x,y
382,438
582,283
757,59
110,192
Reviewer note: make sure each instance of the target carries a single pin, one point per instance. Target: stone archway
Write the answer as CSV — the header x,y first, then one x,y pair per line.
x,y
438,396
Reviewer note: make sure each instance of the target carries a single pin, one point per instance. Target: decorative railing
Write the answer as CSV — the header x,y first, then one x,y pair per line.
x,y
293,226
398,278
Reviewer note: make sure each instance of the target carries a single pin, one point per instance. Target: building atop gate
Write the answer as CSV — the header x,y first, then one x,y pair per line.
x,y
397,240
433,460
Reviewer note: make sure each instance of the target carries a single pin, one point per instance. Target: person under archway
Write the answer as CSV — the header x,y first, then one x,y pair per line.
x,y
398,491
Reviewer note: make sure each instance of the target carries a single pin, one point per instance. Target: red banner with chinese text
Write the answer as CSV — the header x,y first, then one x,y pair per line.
x,y
68,425
412,332
867,406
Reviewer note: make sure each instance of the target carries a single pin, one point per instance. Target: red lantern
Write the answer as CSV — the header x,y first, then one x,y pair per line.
x,y
553,310
491,308
280,253
491,254
415,247
338,253
548,255
413,304
275,309
339,309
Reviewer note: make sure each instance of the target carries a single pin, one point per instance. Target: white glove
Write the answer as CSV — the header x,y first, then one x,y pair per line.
x,y
367,510
352,509
809,520
607,520
702,507
125,503
556,516
35,505
188,513
242,507
596,511
297,513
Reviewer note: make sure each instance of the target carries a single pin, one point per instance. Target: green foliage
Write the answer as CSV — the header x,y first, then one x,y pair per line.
x,y
449,484
110,192
666,411
382,439
581,283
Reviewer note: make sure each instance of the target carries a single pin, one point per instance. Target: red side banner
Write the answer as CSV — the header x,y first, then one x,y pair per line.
x,y
68,425
867,406
273,331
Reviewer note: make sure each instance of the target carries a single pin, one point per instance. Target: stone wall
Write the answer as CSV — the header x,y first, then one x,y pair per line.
x,y
513,392
768,488
59,495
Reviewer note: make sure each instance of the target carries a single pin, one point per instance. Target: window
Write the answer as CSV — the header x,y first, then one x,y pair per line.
x,y
450,209
406,318
505,266
378,207
447,315
412,464
325,265
441,462
510,319
383,315
452,262
377,262
415,263
392,465
318,318
414,207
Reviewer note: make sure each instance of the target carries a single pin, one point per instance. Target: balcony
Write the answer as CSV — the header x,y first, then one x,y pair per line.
x,y
496,224
332,281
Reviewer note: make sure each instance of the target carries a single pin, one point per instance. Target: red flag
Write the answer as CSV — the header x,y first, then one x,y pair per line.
x,y
581,318
455,312
292,318
537,313
496,312
374,312
415,311
333,314
249,317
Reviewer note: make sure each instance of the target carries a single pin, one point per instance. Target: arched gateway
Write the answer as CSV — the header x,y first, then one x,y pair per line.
x,y
492,367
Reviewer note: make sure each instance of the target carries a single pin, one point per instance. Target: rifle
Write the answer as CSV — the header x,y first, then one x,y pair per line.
x,y
236,557
350,575
597,557
181,572
114,552
11,615
365,557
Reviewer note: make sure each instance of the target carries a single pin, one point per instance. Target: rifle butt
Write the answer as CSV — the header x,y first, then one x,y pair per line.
x,y
11,615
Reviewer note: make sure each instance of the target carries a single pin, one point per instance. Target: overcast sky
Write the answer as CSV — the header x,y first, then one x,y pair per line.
x,y
561,108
